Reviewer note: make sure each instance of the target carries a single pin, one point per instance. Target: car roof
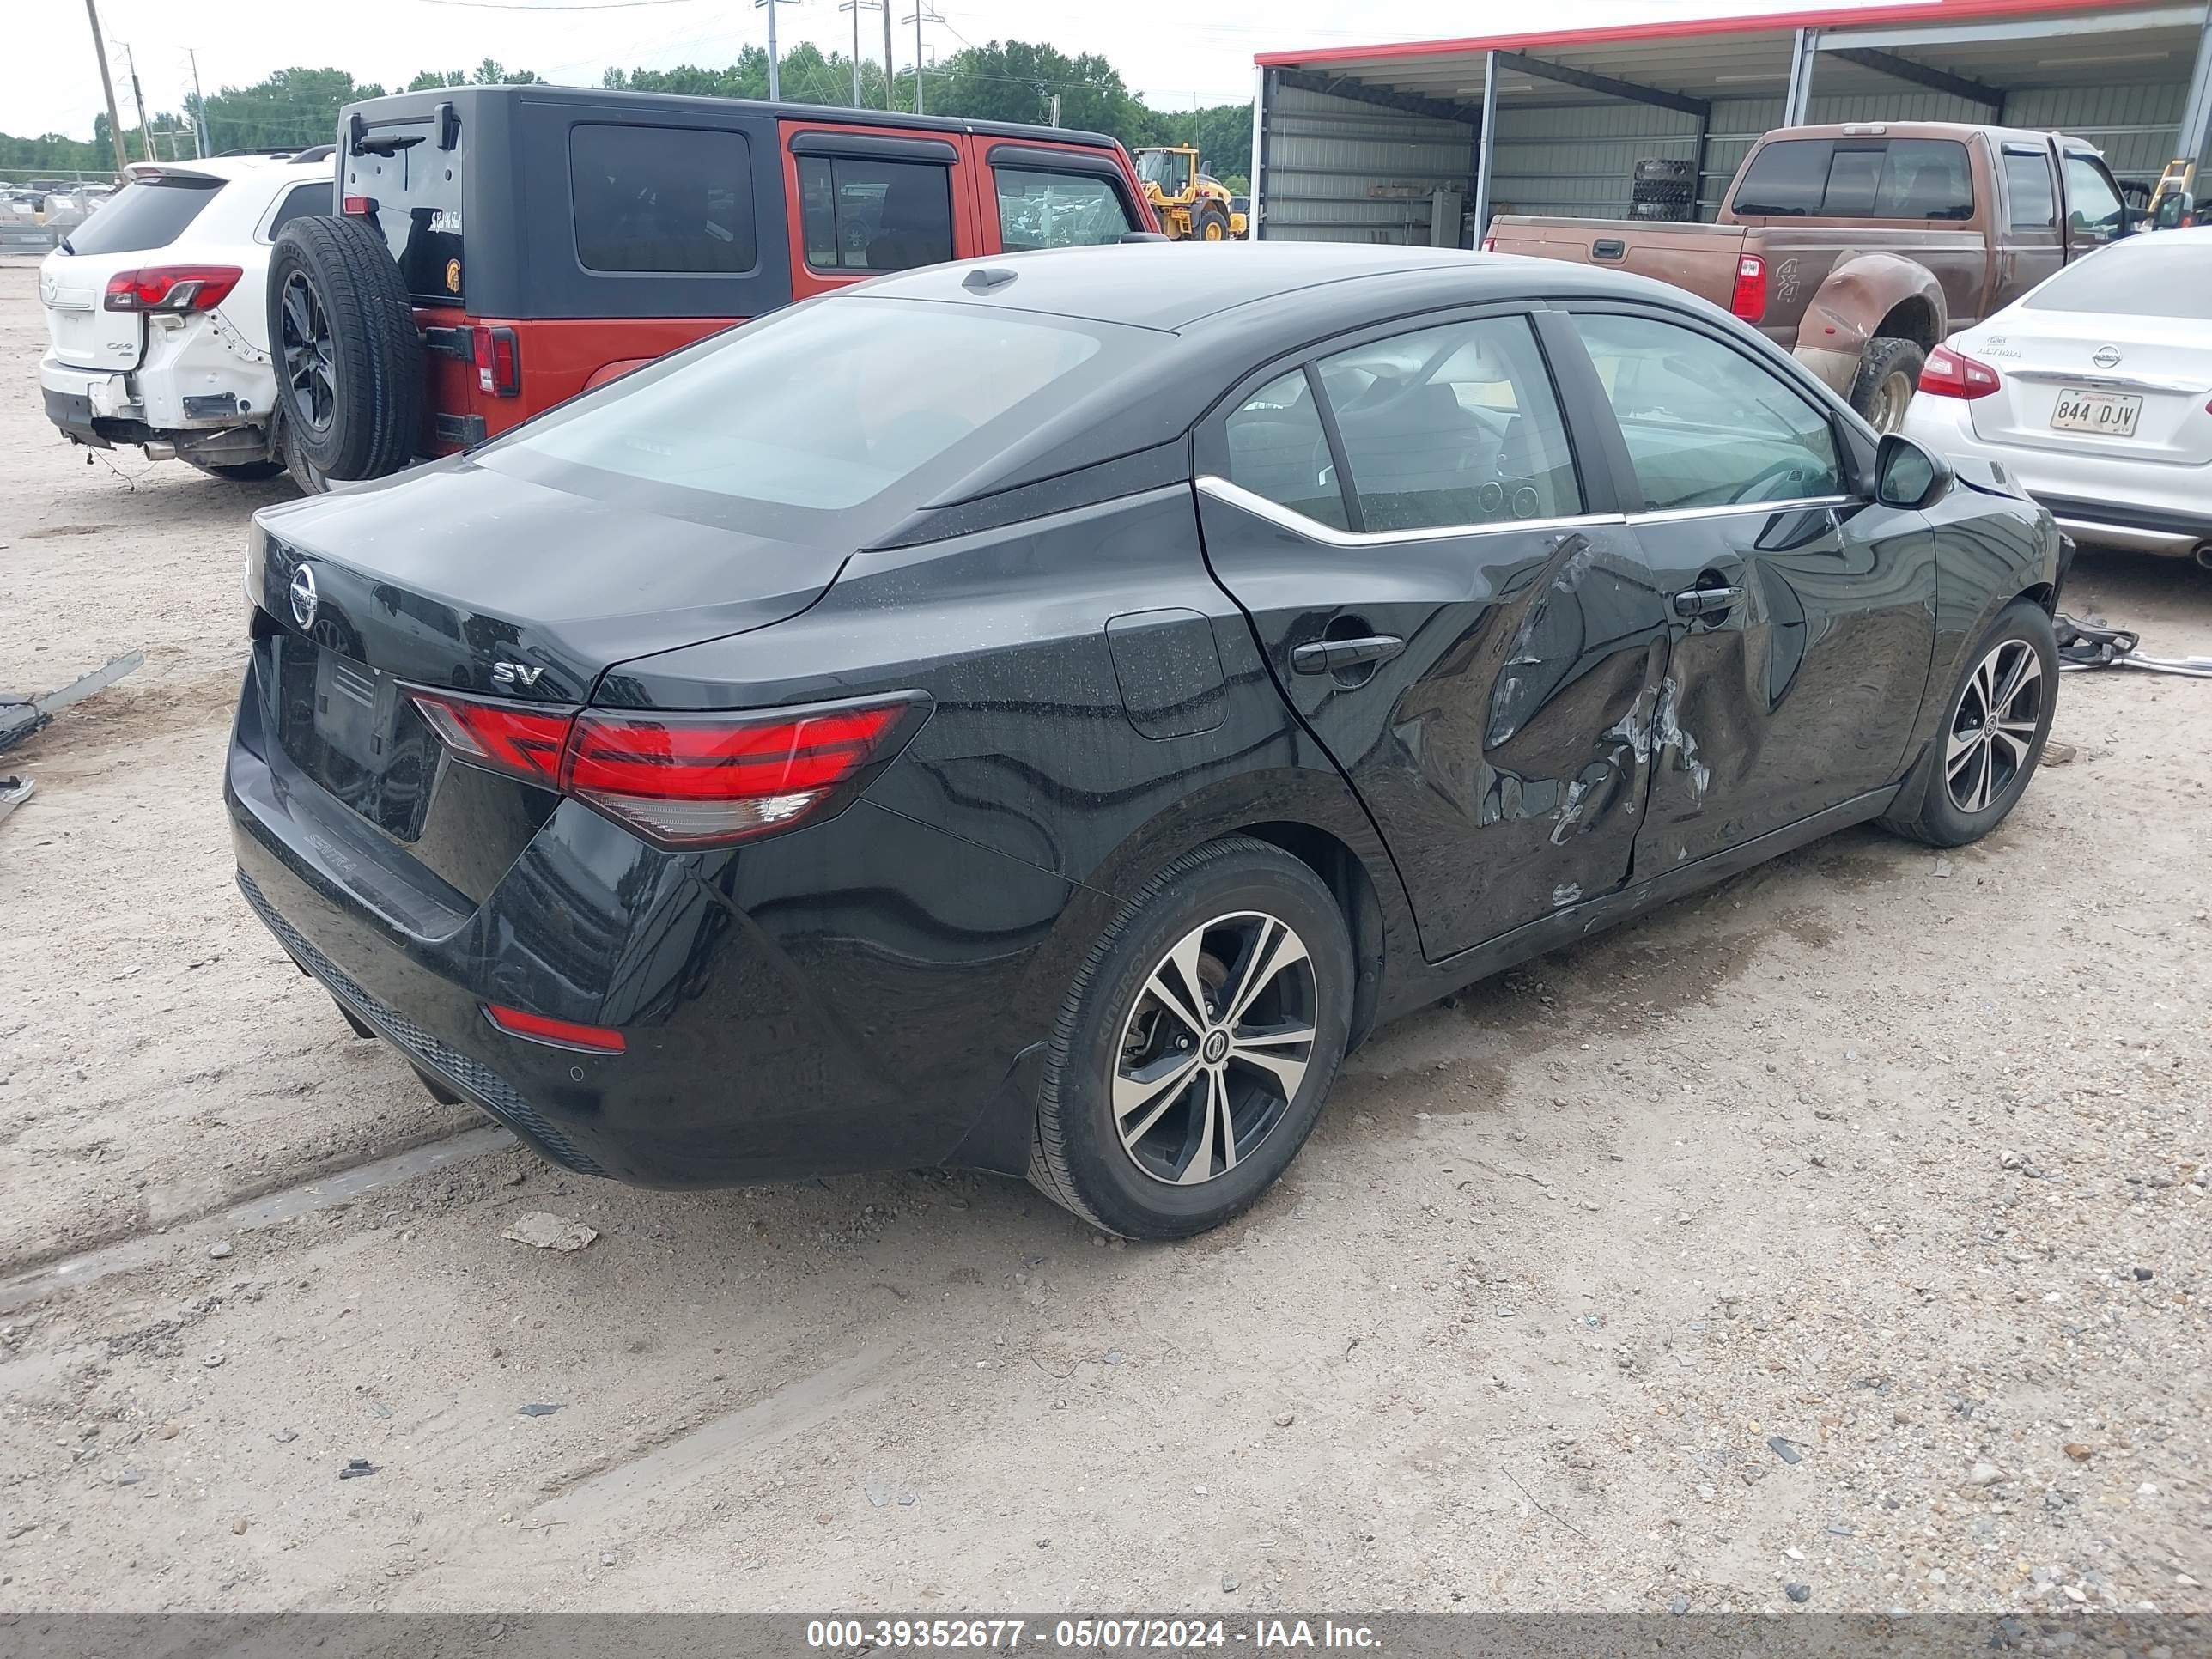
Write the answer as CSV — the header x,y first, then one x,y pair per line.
x,y
1170,286
229,168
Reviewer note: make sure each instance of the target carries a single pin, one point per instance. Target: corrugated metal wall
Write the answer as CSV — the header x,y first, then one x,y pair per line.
x,y
1329,156
1336,170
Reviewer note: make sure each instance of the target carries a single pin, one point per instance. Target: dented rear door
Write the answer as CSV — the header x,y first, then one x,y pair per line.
x,y
1400,518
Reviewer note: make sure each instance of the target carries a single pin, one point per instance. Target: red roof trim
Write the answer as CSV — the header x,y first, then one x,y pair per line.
x,y
1922,11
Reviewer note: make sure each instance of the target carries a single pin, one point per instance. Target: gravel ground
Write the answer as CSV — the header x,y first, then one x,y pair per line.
x,y
1844,1229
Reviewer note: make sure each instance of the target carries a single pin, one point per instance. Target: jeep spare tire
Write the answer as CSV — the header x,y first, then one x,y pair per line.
x,y
342,339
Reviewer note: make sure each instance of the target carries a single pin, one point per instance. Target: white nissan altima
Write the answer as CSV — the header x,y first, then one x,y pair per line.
x,y
2093,392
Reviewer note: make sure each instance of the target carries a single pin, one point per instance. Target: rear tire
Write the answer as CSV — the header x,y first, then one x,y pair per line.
x,y
1166,1110
1213,224
1992,733
1889,373
240,472
347,358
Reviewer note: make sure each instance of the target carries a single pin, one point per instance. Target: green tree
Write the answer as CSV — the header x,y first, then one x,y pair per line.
x,y
1015,80
492,73
437,81
293,107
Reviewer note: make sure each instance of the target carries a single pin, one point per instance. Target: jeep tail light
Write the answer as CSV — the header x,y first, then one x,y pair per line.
x,y
1954,375
683,779
172,288
499,360
521,741
357,206
707,780
1748,301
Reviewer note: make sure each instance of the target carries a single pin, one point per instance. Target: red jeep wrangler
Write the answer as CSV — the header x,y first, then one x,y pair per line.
x,y
502,248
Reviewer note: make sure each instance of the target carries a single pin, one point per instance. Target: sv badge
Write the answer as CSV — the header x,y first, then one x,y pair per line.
x,y
512,676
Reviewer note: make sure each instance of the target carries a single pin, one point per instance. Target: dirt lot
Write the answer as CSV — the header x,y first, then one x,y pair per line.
x,y
1846,1229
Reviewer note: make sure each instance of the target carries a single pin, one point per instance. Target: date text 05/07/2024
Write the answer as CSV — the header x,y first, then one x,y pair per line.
x,y
1084,1635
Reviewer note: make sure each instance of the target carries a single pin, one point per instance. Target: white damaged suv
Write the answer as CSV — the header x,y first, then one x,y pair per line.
x,y
156,325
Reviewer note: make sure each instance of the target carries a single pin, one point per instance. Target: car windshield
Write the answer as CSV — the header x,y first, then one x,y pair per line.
x,y
821,410
2154,275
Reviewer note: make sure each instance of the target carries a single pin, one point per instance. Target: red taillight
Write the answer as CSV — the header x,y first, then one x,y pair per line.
x,y
565,1033
682,779
499,360
1748,301
1950,373
357,205
172,288
700,780
522,742
1490,245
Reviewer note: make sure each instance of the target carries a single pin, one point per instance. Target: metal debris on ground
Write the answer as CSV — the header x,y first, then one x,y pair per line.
x,y
543,1230
22,713
2084,645
14,791
536,1410
356,1469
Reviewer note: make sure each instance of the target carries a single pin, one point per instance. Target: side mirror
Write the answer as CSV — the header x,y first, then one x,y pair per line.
x,y
1909,474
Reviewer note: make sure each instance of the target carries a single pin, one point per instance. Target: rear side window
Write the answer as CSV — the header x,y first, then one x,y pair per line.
x,y
1277,449
2027,183
319,199
149,214
1451,426
1057,209
1925,179
859,214
2142,276
661,200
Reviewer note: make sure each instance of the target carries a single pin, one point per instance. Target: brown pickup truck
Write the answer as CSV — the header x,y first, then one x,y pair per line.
x,y
1860,247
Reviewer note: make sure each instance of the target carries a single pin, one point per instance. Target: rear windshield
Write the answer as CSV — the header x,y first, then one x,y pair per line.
x,y
821,410
1858,179
2147,275
149,213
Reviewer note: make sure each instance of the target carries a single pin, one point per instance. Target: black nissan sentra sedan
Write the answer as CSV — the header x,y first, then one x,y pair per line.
x,y
1038,714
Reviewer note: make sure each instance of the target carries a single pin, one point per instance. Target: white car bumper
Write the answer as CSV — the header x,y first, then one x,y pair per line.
x,y
2100,500
193,379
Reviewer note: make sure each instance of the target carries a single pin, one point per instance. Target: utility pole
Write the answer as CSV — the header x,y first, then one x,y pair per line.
x,y
145,132
774,78
199,107
923,13
1055,111
890,80
107,85
856,7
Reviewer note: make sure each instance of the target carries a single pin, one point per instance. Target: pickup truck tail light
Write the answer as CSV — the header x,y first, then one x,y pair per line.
x,y
1953,375
683,779
1748,301
1490,245
171,287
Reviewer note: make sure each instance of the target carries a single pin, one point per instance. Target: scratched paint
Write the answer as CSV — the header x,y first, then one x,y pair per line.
x,y
1670,734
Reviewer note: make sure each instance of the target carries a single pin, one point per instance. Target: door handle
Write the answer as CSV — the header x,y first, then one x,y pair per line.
x,y
1707,601
1329,656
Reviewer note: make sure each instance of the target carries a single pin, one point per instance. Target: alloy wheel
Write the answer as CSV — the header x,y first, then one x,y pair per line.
x,y
1994,728
1216,1048
309,355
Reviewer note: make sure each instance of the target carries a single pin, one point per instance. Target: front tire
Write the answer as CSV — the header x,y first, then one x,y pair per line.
x,y
1992,733
1202,1033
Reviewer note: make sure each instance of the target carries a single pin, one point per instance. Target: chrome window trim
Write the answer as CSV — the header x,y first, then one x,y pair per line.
x,y
1732,509
1314,530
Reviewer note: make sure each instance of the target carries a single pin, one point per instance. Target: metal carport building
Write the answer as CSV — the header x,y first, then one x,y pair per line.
x,y
1421,142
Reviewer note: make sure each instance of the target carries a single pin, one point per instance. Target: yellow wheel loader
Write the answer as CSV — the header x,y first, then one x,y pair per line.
x,y
1192,206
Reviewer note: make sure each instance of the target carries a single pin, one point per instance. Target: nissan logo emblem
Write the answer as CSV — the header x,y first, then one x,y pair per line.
x,y
303,597
2107,357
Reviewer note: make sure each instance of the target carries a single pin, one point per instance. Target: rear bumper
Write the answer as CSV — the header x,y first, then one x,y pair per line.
x,y
90,405
2099,500
791,1009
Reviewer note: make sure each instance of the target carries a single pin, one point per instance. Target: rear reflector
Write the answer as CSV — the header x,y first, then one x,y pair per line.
x,y
171,287
1748,301
357,205
683,779
1951,374
522,742
704,779
564,1033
